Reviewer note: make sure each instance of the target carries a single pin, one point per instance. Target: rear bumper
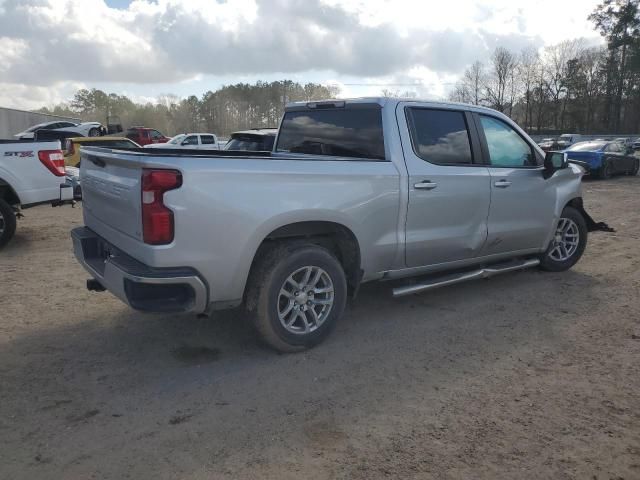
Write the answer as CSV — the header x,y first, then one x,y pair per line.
x,y
178,289
66,194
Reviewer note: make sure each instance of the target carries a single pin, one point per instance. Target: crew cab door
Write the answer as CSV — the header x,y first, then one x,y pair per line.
x,y
208,142
620,162
156,137
449,188
191,141
522,201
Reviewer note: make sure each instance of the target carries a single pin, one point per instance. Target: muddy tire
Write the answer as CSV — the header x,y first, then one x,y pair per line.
x,y
7,223
296,296
568,244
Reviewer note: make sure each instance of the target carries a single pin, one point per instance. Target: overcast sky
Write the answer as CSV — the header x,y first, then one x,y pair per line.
x,y
145,48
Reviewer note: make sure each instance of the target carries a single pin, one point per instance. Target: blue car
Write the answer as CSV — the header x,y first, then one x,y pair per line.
x,y
604,158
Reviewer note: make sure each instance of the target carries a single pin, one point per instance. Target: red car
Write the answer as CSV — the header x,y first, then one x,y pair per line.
x,y
145,136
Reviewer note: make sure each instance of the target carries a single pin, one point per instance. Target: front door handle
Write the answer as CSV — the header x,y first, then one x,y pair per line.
x,y
426,185
502,184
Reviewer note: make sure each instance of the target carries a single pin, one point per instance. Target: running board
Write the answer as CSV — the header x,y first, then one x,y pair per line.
x,y
445,280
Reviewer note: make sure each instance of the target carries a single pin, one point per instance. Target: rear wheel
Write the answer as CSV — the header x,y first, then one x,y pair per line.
x,y
568,243
94,132
299,293
7,222
635,168
606,170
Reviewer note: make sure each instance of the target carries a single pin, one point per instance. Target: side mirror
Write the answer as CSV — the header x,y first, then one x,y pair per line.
x,y
554,161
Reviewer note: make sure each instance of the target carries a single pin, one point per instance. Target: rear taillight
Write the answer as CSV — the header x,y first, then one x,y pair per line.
x,y
157,219
53,160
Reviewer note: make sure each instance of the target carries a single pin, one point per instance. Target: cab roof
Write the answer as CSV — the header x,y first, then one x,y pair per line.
x,y
385,102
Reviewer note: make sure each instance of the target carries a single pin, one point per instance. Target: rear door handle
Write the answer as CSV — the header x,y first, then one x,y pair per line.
x,y
426,185
502,184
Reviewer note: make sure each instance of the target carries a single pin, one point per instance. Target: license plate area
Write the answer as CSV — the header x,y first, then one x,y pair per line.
x,y
104,251
97,252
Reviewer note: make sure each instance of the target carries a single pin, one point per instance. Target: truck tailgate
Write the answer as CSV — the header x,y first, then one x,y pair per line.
x,y
111,193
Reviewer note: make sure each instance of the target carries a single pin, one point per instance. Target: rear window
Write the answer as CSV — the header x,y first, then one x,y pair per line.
x,y
109,143
344,132
251,143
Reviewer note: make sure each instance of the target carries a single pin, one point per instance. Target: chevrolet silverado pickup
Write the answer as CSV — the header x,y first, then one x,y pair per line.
x,y
31,173
353,191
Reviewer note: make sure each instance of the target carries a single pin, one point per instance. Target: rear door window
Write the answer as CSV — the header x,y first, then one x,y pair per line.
x,y
440,136
340,132
208,139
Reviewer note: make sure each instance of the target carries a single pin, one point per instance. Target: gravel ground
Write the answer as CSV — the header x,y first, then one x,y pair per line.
x,y
526,375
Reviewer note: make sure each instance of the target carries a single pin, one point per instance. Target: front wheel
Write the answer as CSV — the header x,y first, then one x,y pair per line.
x,y
7,223
635,168
299,294
568,243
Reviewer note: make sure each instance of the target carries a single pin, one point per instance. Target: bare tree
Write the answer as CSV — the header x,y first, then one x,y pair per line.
x,y
474,79
469,88
499,87
556,58
527,73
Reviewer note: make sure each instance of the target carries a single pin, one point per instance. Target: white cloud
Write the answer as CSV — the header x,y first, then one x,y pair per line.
x,y
53,43
21,96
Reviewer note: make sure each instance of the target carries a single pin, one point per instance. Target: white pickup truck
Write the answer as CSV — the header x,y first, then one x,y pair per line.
x,y
31,173
190,141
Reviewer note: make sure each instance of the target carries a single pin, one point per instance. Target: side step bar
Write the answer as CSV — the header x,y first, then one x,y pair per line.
x,y
445,280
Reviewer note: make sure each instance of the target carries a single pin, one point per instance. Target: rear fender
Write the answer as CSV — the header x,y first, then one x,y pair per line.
x,y
7,192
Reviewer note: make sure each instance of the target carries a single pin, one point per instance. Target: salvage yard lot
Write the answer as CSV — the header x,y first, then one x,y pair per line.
x,y
526,375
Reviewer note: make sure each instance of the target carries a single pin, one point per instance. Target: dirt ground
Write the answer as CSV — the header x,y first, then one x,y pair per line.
x,y
526,375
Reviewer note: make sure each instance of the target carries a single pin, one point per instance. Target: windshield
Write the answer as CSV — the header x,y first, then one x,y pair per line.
x,y
177,139
586,146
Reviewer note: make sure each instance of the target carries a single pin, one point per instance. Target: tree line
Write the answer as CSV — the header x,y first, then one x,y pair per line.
x,y
228,109
568,86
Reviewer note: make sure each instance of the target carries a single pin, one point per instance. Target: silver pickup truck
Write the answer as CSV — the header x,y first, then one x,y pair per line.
x,y
353,191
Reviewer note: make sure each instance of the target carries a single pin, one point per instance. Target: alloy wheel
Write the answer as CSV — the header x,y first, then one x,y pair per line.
x,y
565,240
305,300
